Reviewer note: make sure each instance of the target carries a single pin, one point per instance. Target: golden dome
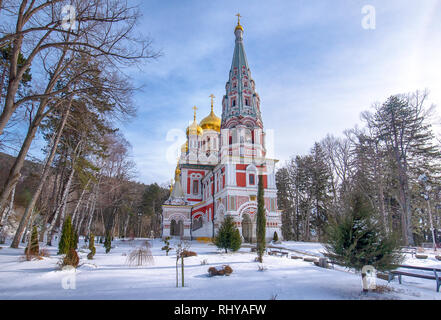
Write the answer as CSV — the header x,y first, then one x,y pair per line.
x,y
238,27
194,128
211,121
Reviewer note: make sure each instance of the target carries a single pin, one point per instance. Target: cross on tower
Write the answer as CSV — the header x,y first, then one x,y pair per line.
x,y
238,18
212,98
195,108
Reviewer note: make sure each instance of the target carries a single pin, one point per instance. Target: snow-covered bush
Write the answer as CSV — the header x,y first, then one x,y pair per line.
x,y
225,270
188,253
70,259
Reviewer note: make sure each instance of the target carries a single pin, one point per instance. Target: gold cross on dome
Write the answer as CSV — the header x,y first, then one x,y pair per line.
x,y
212,98
238,18
195,108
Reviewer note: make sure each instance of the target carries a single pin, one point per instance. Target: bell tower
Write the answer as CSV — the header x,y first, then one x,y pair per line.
x,y
241,103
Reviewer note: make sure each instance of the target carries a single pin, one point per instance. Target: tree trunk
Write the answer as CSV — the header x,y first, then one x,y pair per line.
x,y
74,215
4,219
65,198
47,166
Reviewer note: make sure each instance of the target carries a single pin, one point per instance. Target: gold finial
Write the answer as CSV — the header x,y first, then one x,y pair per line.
x,y
195,108
238,18
171,185
212,98
238,22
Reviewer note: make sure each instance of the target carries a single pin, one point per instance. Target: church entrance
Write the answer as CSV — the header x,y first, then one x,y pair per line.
x,y
176,229
247,228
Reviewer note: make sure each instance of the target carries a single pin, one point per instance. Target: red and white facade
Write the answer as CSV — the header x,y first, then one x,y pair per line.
x,y
218,170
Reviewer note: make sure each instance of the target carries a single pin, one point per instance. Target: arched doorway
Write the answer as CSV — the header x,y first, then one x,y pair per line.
x,y
247,228
172,227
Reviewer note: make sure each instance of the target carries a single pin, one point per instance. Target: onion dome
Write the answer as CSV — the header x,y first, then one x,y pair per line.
x,y
194,128
211,121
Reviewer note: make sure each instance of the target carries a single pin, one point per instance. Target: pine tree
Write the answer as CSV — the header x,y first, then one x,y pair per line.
x,y
228,236
261,221
285,203
66,239
320,186
33,247
91,247
108,242
357,241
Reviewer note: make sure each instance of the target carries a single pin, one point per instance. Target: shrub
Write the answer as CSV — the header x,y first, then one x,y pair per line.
x,y
204,262
187,253
224,270
140,256
228,236
44,253
261,267
167,247
70,259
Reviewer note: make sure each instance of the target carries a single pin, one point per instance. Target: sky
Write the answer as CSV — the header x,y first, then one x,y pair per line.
x,y
315,66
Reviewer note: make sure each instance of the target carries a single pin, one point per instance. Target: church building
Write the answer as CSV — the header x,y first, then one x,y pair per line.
x,y
220,164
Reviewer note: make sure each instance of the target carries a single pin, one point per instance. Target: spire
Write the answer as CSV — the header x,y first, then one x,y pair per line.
x,y
241,103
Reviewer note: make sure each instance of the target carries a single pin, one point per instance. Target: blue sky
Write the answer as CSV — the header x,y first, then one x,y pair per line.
x,y
314,65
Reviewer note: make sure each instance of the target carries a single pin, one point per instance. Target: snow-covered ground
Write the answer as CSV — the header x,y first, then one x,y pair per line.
x,y
109,277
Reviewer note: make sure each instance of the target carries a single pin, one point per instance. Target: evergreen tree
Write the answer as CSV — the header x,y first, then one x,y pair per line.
x,y
33,247
357,240
403,127
91,247
108,242
320,187
228,236
261,220
284,202
66,239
